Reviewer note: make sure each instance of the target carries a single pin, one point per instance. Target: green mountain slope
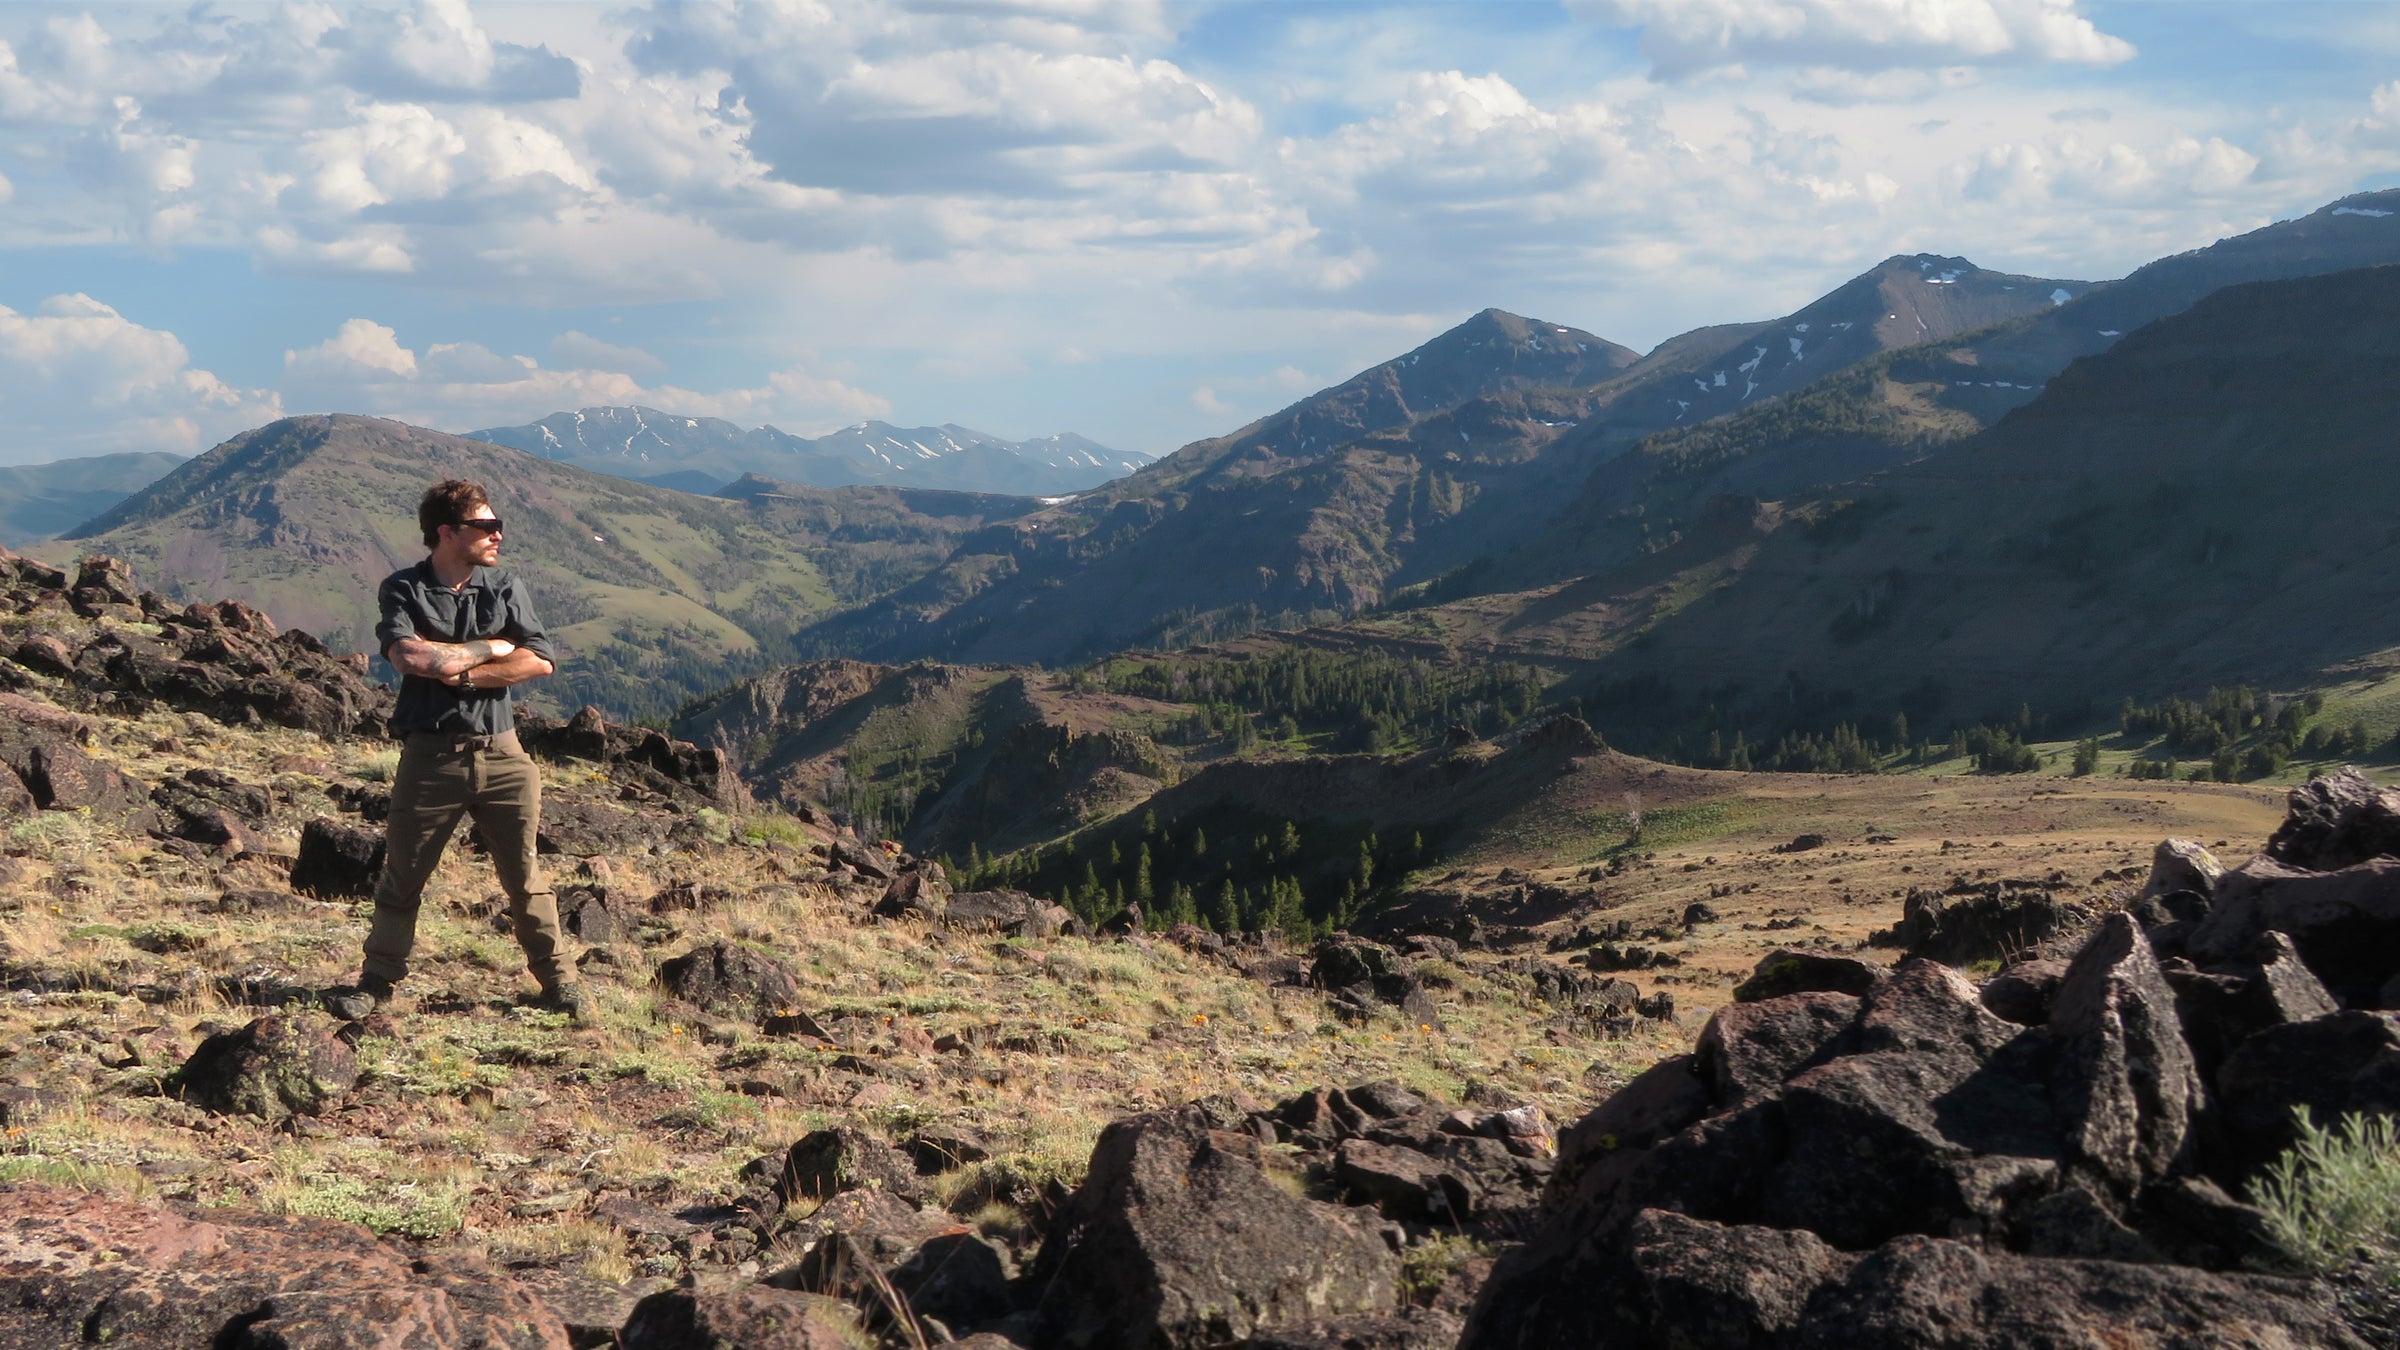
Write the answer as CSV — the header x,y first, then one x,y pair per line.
x,y
654,595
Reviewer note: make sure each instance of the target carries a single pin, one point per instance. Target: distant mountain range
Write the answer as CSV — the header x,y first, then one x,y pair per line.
x,y
37,501
653,594
1869,503
702,454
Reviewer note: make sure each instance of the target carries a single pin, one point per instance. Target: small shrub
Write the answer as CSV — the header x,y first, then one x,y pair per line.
x,y
380,767
405,1209
2334,1196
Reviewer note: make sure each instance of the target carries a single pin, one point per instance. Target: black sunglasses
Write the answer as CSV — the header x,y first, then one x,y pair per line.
x,y
491,526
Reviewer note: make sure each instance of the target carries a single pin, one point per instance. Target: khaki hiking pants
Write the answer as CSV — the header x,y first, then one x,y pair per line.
x,y
442,777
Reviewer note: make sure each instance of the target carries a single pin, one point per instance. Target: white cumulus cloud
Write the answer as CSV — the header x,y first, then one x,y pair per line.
x,y
1685,37
78,378
464,386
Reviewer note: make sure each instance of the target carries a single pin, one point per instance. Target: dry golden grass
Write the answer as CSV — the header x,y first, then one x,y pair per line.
x,y
475,1106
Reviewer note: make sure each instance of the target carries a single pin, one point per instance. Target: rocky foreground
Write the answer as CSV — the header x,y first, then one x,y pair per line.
x,y
2056,1157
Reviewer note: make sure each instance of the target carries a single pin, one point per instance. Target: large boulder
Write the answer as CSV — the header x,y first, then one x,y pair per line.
x,y
732,980
1177,1239
337,860
825,1163
1794,971
2337,820
743,1317
1999,921
1747,1050
2331,1065
2182,865
1921,1291
2125,1085
281,1065
2345,923
1007,913
83,1269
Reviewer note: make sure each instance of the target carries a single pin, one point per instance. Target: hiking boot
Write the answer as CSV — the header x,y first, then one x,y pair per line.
x,y
565,997
358,1002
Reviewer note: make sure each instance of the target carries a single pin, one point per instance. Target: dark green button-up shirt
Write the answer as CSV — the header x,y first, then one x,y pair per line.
x,y
493,604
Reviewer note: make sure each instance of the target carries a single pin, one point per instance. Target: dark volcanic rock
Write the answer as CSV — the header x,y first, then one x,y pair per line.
x,y
1177,1239
82,1269
1007,913
2348,1061
678,770
337,860
1997,922
1927,1292
2181,865
2022,993
280,1065
2345,923
828,1162
747,1317
1798,972
732,980
1675,1282
2335,821
2125,1085
1747,1050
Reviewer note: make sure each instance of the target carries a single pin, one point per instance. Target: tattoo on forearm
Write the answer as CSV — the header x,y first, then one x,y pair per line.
x,y
449,658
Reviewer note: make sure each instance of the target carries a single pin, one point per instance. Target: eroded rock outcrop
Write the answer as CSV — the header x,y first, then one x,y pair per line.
x,y
2050,1160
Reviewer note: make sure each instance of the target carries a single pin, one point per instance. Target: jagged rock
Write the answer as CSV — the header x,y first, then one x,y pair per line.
x,y
1699,912
2022,993
867,860
274,1067
2347,1061
1661,1101
732,980
1554,983
279,1065
1430,1176
584,912
2125,1086
2182,865
2346,923
1927,1128
912,895
1363,974
2228,1003
1568,733
827,1162
958,1279
1789,971
1747,1050
746,1317
337,860
2337,820
1999,923
1919,1291
678,770
1007,913
1177,1239
81,1269
1673,1282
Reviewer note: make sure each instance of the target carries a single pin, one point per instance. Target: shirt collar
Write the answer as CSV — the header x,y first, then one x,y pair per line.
x,y
478,580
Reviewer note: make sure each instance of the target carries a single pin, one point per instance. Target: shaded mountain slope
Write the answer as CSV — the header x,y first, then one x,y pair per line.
x,y
1410,470
2207,502
1893,407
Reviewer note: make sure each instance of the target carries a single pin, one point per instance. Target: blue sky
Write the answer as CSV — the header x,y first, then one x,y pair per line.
x,y
1144,222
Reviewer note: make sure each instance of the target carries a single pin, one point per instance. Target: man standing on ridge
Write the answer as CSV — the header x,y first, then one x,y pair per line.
x,y
461,633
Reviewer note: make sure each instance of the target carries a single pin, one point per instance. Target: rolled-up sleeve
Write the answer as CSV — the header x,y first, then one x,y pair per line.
x,y
524,626
397,613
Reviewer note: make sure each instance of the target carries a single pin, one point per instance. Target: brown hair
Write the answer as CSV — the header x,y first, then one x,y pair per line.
x,y
447,503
